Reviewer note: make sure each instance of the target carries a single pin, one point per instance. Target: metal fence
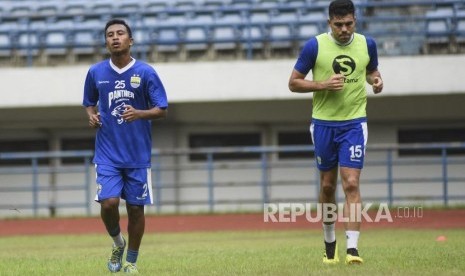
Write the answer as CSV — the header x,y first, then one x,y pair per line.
x,y
418,174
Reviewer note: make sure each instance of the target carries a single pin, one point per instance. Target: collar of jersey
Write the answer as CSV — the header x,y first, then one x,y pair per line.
x,y
341,44
125,68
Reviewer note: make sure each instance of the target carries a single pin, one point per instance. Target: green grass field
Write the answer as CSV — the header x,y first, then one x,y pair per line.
x,y
386,252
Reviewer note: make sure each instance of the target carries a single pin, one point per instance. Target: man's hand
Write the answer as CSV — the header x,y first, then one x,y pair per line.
x,y
335,82
94,121
377,85
130,113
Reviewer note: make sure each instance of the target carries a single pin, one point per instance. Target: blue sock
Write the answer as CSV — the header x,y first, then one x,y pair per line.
x,y
131,256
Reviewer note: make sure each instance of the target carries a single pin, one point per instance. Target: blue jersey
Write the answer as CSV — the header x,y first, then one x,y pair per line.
x,y
119,143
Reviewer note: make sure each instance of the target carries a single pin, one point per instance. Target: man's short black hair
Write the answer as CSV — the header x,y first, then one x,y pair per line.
x,y
339,8
119,22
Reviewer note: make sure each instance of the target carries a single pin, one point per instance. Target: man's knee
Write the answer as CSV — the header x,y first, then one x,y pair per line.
x,y
109,203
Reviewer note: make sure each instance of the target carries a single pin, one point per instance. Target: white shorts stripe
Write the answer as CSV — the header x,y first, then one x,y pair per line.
x,y
149,184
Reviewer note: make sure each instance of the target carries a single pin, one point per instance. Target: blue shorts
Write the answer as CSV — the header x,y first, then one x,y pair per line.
x,y
340,143
131,184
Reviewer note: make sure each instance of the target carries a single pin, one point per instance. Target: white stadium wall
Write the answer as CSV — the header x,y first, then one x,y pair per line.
x,y
230,97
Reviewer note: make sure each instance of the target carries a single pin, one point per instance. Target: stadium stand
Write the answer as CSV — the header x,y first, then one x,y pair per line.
x,y
53,31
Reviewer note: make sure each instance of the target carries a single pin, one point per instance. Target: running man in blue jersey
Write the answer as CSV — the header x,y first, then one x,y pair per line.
x,y
121,97
341,62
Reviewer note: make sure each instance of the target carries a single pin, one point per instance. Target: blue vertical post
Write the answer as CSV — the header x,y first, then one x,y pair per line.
x,y
35,186
390,181
265,180
249,54
157,170
29,45
211,199
87,183
445,183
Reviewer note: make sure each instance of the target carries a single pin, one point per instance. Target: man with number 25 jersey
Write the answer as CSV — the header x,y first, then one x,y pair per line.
x,y
121,97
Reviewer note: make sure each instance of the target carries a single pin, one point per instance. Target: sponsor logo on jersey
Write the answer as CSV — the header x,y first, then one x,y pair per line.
x,y
344,65
135,81
119,94
118,112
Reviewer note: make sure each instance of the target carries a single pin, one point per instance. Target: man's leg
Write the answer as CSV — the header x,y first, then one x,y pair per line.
x,y
327,196
351,186
136,227
109,213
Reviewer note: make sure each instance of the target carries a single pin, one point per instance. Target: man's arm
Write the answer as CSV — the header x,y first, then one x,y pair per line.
x,y
130,113
298,83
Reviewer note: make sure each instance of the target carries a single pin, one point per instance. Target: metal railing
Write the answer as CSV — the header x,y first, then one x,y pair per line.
x,y
182,183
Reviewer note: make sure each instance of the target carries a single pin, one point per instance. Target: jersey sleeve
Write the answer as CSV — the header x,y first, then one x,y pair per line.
x,y
307,57
373,53
90,91
156,91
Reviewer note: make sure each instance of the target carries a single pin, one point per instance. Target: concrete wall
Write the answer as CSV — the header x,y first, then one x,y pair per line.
x,y
237,96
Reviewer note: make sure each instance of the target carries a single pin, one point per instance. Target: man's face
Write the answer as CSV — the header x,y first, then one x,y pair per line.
x,y
342,27
117,39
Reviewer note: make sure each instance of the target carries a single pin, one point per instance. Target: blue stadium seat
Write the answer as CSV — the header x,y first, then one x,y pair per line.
x,y
253,37
215,4
75,8
461,22
129,7
310,23
185,5
37,24
156,6
268,3
260,16
175,19
305,31
29,43
92,23
241,3
6,44
292,3
62,23
21,9
202,18
196,38
460,29
142,42
49,8
56,42
439,30
284,16
231,17
102,7
10,25
86,41
224,37
167,39
439,25
281,35
313,15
